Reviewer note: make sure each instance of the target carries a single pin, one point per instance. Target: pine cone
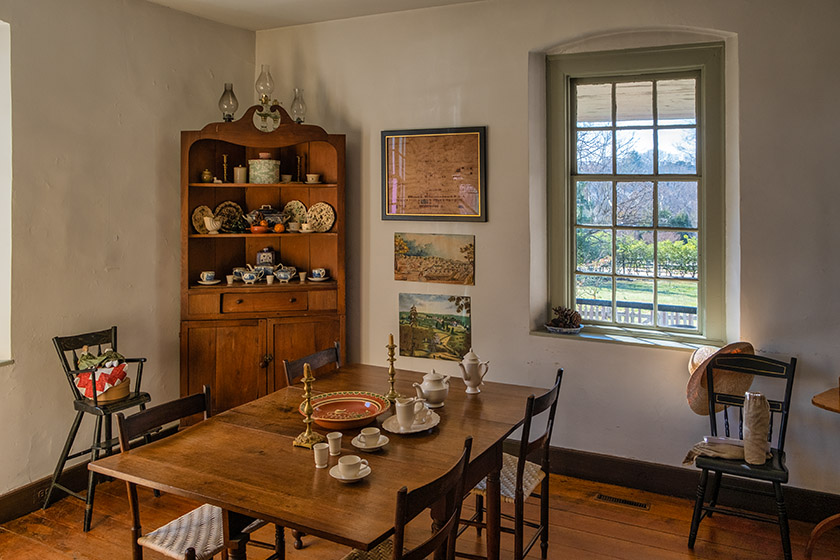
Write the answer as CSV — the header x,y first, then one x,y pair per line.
x,y
566,318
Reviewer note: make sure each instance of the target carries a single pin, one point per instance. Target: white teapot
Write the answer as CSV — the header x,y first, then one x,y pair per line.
x,y
434,389
473,371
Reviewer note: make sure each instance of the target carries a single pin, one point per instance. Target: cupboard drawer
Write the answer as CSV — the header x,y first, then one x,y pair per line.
x,y
274,301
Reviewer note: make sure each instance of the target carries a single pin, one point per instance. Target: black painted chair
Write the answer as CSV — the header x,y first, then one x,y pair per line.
x,y
294,369
198,533
520,477
773,473
450,489
68,348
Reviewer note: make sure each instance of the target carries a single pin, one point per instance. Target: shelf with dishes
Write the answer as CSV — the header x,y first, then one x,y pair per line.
x,y
328,284
229,219
296,184
266,234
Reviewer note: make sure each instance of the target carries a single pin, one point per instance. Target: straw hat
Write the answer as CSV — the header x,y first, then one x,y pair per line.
x,y
725,381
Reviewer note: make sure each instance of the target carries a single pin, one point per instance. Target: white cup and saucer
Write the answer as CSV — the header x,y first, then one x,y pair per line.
x,y
411,417
350,468
370,439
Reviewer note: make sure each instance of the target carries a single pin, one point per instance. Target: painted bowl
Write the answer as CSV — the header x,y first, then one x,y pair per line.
x,y
260,229
346,409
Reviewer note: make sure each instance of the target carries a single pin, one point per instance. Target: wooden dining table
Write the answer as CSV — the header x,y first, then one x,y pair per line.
x,y
827,400
243,460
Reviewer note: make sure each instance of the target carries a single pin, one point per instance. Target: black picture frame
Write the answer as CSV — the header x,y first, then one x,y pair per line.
x,y
417,166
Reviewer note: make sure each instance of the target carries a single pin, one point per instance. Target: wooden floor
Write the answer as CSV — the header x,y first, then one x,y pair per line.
x,y
581,528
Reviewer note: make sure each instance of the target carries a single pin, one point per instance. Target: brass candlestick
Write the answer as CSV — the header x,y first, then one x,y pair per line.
x,y
392,394
224,168
308,438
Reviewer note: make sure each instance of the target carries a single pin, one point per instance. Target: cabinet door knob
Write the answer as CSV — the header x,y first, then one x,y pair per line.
x,y
267,359
292,299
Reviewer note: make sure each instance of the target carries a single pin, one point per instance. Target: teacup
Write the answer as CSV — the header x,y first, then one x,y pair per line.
x,y
305,226
411,411
249,277
293,226
369,437
284,274
350,465
230,278
319,273
208,276
312,177
285,178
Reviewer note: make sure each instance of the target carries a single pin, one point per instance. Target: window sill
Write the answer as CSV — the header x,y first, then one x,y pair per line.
x,y
620,336
6,362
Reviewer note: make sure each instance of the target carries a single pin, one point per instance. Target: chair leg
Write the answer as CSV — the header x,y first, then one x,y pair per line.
x,y
698,508
279,542
715,489
783,519
94,455
479,512
544,519
59,468
518,525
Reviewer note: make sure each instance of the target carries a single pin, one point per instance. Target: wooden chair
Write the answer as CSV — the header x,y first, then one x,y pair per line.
x,y
773,471
520,477
68,348
450,488
294,369
197,534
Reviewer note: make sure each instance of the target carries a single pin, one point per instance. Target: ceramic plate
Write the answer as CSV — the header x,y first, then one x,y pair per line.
x,y
393,426
208,282
346,409
198,216
296,210
319,279
335,472
321,217
229,212
383,441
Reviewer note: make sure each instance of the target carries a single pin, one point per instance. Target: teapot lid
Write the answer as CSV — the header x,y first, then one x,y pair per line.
x,y
471,356
433,375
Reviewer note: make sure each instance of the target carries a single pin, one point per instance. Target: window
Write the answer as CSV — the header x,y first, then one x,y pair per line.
x,y
636,190
5,193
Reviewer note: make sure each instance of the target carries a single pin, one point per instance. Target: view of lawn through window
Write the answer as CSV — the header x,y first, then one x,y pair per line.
x,y
636,182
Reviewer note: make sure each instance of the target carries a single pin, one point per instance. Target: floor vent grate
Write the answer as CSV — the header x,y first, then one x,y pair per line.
x,y
621,501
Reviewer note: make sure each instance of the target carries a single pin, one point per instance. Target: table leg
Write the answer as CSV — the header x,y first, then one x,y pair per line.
x,y
235,541
494,514
822,527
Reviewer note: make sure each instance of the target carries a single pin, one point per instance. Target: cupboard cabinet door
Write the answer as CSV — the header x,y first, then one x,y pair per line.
x,y
226,355
295,337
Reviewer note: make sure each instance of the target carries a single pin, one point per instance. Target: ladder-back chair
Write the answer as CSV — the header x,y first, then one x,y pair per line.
x,y
294,369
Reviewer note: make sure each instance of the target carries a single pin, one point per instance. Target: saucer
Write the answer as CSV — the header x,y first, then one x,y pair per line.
x,y
336,474
393,425
209,282
312,278
383,441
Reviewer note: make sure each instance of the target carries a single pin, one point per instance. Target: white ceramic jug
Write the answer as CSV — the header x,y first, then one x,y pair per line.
x,y
473,371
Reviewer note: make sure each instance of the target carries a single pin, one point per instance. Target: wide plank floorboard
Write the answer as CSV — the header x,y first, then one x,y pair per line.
x,y
581,528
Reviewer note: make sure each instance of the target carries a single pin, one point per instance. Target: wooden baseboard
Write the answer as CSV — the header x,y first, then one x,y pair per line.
x,y
27,499
802,504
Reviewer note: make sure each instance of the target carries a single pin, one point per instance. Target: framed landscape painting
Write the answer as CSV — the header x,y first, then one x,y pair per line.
x,y
434,257
433,326
434,174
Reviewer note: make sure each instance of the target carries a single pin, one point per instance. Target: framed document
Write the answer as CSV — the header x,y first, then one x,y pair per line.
x,y
434,174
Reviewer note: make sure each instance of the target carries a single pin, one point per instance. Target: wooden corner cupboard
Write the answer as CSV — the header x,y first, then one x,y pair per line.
x,y
234,338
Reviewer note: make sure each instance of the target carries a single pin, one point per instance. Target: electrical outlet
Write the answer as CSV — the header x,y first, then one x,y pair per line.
x,y
40,496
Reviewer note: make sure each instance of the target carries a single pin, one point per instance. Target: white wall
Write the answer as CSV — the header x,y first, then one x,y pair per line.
x,y
100,92
468,65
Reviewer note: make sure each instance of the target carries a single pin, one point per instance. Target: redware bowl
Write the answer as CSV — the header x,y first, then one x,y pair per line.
x,y
259,229
346,409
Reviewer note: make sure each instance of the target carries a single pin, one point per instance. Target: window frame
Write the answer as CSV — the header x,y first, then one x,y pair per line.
x,y
561,69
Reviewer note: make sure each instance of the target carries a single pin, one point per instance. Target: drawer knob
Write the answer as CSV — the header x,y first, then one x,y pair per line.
x,y
292,300
240,301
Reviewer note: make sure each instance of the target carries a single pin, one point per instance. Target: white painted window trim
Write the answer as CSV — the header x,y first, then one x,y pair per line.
x,y
5,194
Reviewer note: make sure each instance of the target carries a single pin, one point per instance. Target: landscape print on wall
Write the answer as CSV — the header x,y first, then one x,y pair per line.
x,y
435,326
434,257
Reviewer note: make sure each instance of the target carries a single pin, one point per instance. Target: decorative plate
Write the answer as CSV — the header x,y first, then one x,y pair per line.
x,y
198,216
321,217
230,212
346,409
563,330
393,425
296,210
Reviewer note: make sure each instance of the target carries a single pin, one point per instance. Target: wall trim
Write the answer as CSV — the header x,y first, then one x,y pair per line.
x,y
27,499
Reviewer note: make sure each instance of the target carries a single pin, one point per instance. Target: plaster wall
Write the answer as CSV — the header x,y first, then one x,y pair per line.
x,y
469,65
100,92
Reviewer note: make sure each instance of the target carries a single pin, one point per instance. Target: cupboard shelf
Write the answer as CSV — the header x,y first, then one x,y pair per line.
x,y
272,234
262,185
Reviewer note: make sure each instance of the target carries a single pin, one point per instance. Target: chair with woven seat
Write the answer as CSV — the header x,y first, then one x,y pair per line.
x,y
198,534
520,477
773,471
68,348
294,369
449,487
